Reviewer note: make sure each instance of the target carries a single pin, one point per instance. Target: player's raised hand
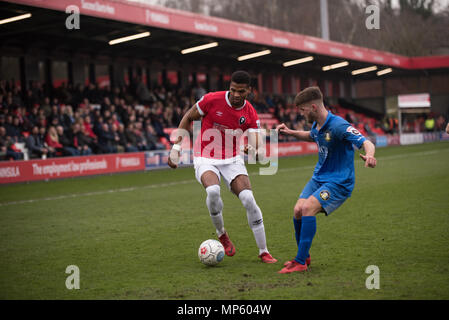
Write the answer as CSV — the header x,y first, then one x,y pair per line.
x,y
370,161
283,129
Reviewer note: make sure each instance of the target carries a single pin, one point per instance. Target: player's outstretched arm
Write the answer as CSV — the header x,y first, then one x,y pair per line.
x,y
300,135
368,157
447,128
186,122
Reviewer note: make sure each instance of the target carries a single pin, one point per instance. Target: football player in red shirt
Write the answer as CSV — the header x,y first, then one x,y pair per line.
x,y
224,116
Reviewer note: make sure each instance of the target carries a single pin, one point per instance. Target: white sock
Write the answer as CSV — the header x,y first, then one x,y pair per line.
x,y
215,206
255,219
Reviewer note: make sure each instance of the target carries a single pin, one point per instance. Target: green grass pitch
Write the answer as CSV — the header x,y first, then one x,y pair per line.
x,y
136,236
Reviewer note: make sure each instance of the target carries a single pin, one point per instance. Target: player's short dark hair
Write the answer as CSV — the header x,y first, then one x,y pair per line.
x,y
307,95
241,77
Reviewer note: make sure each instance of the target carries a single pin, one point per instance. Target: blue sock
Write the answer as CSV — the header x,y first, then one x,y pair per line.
x,y
308,229
297,225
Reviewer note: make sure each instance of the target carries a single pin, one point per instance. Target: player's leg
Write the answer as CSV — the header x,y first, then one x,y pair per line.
x,y
309,208
209,176
327,198
297,215
241,186
214,203
308,190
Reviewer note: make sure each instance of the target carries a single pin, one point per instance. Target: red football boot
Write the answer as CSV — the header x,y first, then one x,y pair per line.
x,y
308,260
227,244
267,258
294,267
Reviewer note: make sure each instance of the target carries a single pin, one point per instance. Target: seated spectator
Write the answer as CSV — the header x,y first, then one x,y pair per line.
x,y
106,140
35,145
119,145
131,136
88,128
152,140
52,140
124,141
81,141
141,142
55,115
368,130
8,150
352,118
33,116
68,117
13,129
66,139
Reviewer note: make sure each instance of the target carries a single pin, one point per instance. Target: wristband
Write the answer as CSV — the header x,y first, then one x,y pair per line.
x,y
177,147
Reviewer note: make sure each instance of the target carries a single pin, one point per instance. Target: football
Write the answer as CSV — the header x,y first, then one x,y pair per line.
x,y
211,252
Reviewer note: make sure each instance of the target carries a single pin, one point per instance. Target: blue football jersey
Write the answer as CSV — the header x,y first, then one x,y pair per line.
x,y
336,152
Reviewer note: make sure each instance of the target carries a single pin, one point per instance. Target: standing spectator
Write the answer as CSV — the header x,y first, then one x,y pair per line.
x,y
429,124
439,123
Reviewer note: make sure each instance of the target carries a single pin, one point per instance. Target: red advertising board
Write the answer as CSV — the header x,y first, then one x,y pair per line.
x,y
20,171
287,149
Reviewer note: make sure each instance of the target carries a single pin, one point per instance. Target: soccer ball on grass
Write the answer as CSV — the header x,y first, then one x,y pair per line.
x,y
211,252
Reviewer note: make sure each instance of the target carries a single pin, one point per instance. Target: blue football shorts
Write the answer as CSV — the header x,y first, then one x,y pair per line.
x,y
330,195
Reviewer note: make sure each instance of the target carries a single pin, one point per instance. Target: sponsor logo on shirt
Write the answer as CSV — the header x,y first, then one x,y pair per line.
x,y
353,130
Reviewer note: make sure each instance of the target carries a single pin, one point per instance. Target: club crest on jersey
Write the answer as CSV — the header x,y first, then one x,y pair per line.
x,y
324,195
327,136
353,130
242,120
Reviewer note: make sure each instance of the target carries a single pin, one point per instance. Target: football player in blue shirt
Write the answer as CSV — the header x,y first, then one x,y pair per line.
x,y
333,178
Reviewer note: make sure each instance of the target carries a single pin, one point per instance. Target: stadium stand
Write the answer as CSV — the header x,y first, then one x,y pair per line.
x,y
82,121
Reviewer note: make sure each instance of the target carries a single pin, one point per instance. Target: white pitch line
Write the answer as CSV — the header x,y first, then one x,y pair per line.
x,y
169,184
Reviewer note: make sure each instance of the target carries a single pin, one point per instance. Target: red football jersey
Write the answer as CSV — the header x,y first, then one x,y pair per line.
x,y
222,126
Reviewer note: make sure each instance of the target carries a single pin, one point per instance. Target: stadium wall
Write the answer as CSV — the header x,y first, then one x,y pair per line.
x,y
69,167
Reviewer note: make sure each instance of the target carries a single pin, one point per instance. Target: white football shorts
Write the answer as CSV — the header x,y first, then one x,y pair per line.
x,y
229,171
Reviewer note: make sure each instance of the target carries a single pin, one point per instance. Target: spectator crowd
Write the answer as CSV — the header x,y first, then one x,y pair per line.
x,y
83,120
89,120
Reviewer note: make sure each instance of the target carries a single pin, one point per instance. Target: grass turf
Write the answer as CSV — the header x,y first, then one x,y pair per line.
x,y
135,236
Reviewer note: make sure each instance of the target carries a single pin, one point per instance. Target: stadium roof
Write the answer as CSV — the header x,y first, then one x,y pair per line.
x,y
174,30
